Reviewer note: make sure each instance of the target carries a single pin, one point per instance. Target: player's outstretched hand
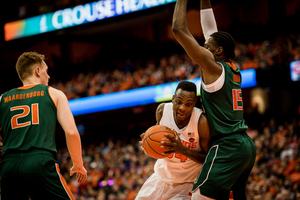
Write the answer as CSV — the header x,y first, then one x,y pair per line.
x,y
81,173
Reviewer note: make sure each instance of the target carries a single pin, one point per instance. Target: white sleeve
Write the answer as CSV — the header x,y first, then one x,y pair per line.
x,y
208,22
0,97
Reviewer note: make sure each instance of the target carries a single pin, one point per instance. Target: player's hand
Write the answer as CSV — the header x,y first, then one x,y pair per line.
x,y
81,173
174,146
141,141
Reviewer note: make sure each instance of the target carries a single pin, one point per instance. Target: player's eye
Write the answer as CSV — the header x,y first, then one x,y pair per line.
x,y
177,102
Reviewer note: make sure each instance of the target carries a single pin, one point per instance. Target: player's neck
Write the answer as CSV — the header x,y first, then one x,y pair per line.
x,y
30,81
181,124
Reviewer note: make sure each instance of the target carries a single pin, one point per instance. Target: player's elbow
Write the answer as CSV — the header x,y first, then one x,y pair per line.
x,y
176,29
72,133
177,26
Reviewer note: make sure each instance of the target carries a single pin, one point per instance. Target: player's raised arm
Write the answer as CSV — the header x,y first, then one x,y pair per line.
x,y
207,18
67,122
202,56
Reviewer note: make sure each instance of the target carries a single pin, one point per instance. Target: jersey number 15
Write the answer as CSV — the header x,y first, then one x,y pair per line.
x,y
236,99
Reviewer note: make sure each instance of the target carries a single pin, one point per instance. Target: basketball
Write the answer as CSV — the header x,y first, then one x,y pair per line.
x,y
152,138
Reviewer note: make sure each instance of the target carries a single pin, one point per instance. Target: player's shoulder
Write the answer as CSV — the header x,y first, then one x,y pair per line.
x,y
197,111
56,92
160,108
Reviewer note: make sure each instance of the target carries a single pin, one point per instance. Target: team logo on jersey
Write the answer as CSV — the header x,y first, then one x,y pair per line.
x,y
192,140
191,137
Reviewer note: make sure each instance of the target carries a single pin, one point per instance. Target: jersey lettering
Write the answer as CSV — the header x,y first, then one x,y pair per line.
x,y
182,158
26,110
236,98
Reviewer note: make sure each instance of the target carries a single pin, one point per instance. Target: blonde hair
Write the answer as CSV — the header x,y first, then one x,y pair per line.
x,y
25,63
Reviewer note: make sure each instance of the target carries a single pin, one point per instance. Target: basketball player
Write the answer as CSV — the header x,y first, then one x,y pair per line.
x,y
28,117
232,154
174,175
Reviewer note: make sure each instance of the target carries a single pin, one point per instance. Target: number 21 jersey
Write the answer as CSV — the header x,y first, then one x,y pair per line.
x,y
28,119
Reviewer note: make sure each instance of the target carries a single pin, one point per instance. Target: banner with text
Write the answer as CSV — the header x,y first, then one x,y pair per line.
x,y
77,15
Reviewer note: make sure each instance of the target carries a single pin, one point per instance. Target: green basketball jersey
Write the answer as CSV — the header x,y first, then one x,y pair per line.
x,y
224,108
28,119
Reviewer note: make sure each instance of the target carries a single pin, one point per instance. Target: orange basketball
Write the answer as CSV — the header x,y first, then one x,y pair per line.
x,y
152,138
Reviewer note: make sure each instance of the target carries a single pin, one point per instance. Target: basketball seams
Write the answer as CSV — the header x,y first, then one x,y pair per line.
x,y
152,142
153,148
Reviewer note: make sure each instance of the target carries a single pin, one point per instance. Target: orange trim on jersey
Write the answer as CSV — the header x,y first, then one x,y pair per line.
x,y
62,180
232,65
26,86
51,96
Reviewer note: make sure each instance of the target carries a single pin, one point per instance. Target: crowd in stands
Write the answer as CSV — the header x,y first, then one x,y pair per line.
x,y
266,55
117,168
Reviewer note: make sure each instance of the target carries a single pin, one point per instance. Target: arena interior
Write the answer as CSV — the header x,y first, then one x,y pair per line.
x,y
138,50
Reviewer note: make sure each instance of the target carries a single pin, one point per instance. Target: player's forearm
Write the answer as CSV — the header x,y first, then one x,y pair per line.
x,y
208,21
179,16
74,147
196,156
205,4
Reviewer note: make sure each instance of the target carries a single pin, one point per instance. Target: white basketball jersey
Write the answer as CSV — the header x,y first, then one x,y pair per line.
x,y
177,168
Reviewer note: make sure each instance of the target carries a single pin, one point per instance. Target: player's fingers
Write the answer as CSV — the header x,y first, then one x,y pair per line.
x,y
79,177
166,145
142,135
168,135
167,152
141,145
72,171
175,133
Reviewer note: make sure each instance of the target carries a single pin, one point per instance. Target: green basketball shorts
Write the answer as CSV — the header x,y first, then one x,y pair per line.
x,y
227,167
33,174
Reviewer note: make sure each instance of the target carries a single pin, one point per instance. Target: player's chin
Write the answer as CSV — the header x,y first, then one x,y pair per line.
x,y
181,117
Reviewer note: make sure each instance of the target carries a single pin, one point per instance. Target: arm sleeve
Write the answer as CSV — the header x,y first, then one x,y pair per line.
x,y
208,22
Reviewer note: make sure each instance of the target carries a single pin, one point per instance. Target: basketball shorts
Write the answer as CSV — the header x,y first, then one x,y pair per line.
x,y
32,174
227,167
156,189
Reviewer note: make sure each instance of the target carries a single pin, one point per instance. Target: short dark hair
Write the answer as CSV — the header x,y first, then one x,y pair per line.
x,y
226,41
187,86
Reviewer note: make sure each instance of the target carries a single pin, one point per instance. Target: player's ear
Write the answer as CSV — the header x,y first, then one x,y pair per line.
x,y
37,71
220,50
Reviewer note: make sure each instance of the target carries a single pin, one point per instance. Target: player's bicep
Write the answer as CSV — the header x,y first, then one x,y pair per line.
x,y
204,134
64,114
159,112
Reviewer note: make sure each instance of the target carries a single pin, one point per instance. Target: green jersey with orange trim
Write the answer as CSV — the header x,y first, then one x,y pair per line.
x,y
224,107
28,119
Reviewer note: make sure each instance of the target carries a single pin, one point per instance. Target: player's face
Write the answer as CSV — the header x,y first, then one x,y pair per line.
x,y
183,104
44,74
211,46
